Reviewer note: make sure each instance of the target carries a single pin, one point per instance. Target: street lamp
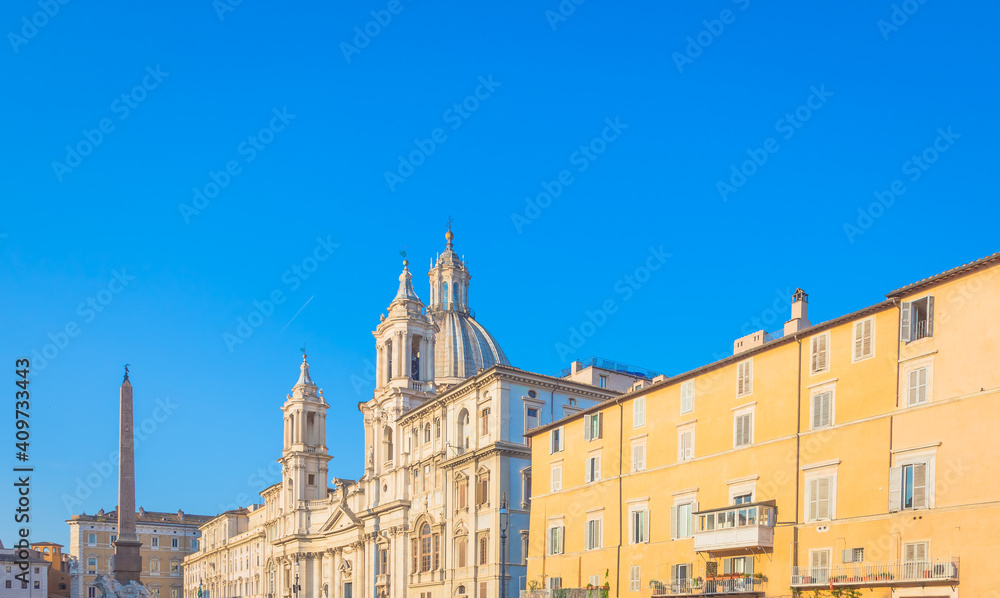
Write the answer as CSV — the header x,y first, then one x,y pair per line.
x,y
295,587
504,522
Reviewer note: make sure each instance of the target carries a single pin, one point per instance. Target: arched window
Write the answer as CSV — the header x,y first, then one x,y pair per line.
x,y
388,360
425,547
454,294
445,295
427,433
462,493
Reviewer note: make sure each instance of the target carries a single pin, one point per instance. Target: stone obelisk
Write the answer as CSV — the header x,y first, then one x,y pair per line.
x,y
128,561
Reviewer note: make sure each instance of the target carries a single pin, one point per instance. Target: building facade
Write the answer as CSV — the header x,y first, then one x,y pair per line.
x,y
166,539
851,455
444,445
33,583
59,582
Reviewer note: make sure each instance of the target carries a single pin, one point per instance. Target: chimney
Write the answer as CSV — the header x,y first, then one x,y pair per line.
x,y
800,312
575,367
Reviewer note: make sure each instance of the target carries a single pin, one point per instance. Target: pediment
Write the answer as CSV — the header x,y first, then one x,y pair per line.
x,y
342,518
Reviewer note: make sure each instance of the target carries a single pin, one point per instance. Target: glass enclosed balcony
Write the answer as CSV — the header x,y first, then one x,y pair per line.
x,y
737,527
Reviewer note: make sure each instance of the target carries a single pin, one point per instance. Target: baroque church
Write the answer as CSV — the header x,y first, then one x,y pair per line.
x,y
444,446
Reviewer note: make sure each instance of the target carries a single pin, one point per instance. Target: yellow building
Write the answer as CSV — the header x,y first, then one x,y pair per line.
x,y
859,454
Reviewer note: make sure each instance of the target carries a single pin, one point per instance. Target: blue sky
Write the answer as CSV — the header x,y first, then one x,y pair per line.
x,y
212,151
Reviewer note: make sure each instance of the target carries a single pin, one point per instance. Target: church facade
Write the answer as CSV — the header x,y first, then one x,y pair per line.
x,y
444,446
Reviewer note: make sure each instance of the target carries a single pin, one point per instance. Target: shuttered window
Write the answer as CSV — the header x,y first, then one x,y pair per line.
x,y
685,445
634,579
916,387
910,486
556,440
682,520
687,396
820,361
819,501
639,526
593,534
863,333
744,378
822,410
639,412
593,469
819,565
743,433
555,540
556,478
592,426
639,456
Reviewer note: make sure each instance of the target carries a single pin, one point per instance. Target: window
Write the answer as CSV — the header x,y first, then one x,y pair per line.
x,y
572,402
484,422
526,487
822,409
154,566
744,378
864,333
554,583
603,381
556,440
437,427
91,591
819,565
740,564
592,469
820,360
639,412
681,520
530,422
916,386
687,396
742,499
914,553
556,478
427,478
483,589
415,552
91,539
639,455
311,480
92,564
916,319
743,429
176,592
175,566
154,542
853,555
483,488
114,538
685,443
462,492
7,583
555,540
639,526
682,573
194,544
484,545
37,585
175,542
461,550
427,433
425,548
909,486
592,534
820,498
634,579
592,427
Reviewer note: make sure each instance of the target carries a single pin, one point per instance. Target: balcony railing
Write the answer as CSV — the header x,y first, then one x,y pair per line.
x,y
878,573
722,584
418,386
742,526
382,580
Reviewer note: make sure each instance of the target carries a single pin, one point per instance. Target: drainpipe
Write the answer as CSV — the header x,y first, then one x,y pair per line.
x,y
798,455
621,452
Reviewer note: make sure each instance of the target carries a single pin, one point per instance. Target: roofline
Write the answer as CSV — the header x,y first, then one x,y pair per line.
x,y
510,370
721,363
984,262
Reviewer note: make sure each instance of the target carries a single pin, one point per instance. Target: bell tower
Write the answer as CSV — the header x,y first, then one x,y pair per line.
x,y
404,364
304,455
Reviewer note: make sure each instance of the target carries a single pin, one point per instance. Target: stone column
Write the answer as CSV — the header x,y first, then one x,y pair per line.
x,y
360,579
317,573
334,575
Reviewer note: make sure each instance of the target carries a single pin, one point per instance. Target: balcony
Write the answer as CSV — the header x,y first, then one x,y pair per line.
x,y
382,580
735,528
879,573
722,584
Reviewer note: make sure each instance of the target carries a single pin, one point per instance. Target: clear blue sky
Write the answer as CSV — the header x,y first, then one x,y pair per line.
x,y
864,99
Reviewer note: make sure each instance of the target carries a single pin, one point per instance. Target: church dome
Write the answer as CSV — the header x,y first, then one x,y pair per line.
x,y
462,346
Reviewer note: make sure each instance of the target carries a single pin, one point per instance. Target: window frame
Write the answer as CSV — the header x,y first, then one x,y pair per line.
x,y
819,357
685,453
750,412
687,396
639,412
858,336
744,378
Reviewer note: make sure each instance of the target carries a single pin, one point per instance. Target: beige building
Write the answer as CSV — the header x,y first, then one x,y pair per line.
x,y
166,539
33,583
444,444
59,568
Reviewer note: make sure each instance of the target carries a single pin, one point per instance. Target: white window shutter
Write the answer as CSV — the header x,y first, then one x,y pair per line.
x,y
930,316
552,442
811,501
910,552
922,385
823,498
895,487
904,322
600,425
866,345
813,355
694,518
826,414
823,352
921,551
816,410
562,439
911,387
673,523
859,335
847,556
586,427
919,485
